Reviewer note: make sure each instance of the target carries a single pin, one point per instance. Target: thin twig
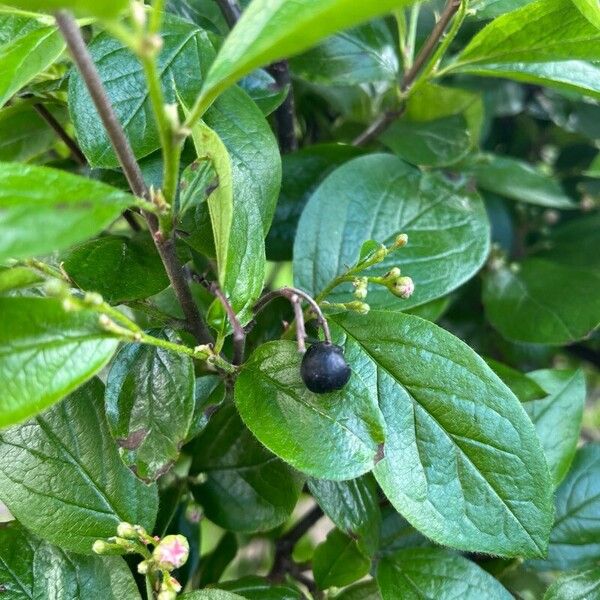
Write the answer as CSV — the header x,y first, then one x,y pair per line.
x,y
289,293
165,246
239,333
384,121
280,71
74,149
300,325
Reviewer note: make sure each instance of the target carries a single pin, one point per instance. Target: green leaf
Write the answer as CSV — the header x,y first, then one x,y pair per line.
x,y
333,436
353,506
584,585
517,180
214,564
198,181
489,9
303,170
149,405
45,353
590,10
543,31
261,86
365,590
24,134
435,143
338,561
26,54
391,197
62,478
210,392
568,75
396,533
535,301
365,54
211,595
34,569
241,472
522,386
270,30
575,537
43,210
446,412
257,588
99,265
557,418
423,573
17,278
105,9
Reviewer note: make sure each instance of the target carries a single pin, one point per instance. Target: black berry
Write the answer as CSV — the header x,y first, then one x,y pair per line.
x,y
324,368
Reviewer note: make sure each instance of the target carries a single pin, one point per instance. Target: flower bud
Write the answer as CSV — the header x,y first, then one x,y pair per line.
x,y
172,552
167,595
392,274
93,299
102,547
127,531
144,566
401,240
361,287
362,308
403,287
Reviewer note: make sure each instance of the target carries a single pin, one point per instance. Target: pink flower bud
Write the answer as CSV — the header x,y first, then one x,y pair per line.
x,y
404,287
172,552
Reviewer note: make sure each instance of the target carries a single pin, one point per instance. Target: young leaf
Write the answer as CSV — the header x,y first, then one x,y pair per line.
x,y
45,353
422,573
338,561
590,10
517,180
25,55
105,9
557,418
446,412
43,210
238,471
353,506
99,266
333,436
575,538
273,29
391,197
198,181
61,475
149,405
583,585
543,31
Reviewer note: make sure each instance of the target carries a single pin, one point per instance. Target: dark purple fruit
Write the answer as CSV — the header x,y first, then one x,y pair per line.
x,y
324,368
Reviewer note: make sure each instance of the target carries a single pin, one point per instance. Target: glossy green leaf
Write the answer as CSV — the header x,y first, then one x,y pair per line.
x,y
149,405
557,418
522,386
210,392
338,561
257,588
364,54
435,143
447,413
575,537
423,573
489,9
26,54
303,170
261,86
17,550
204,13
353,506
396,533
45,353
366,590
590,10
594,169
569,75
104,9
333,436
391,197
543,31
17,277
197,183
241,472
99,266
62,478
270,30
584,585
213,565
24,134
517,180
526,302
43,210
211,595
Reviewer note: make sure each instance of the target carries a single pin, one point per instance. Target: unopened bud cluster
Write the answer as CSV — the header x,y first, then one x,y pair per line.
x,y
168,554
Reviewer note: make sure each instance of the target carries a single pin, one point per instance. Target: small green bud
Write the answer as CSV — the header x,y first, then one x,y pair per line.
x,y
401,240
55,287
392,274
362,308
144,566
127,531
361,287
167,595
102,547
93,299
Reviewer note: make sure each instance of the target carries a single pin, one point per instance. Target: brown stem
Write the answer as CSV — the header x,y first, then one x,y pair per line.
x,y
239,333
165,246
300,325
289,293
74,149
284,115
384,121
